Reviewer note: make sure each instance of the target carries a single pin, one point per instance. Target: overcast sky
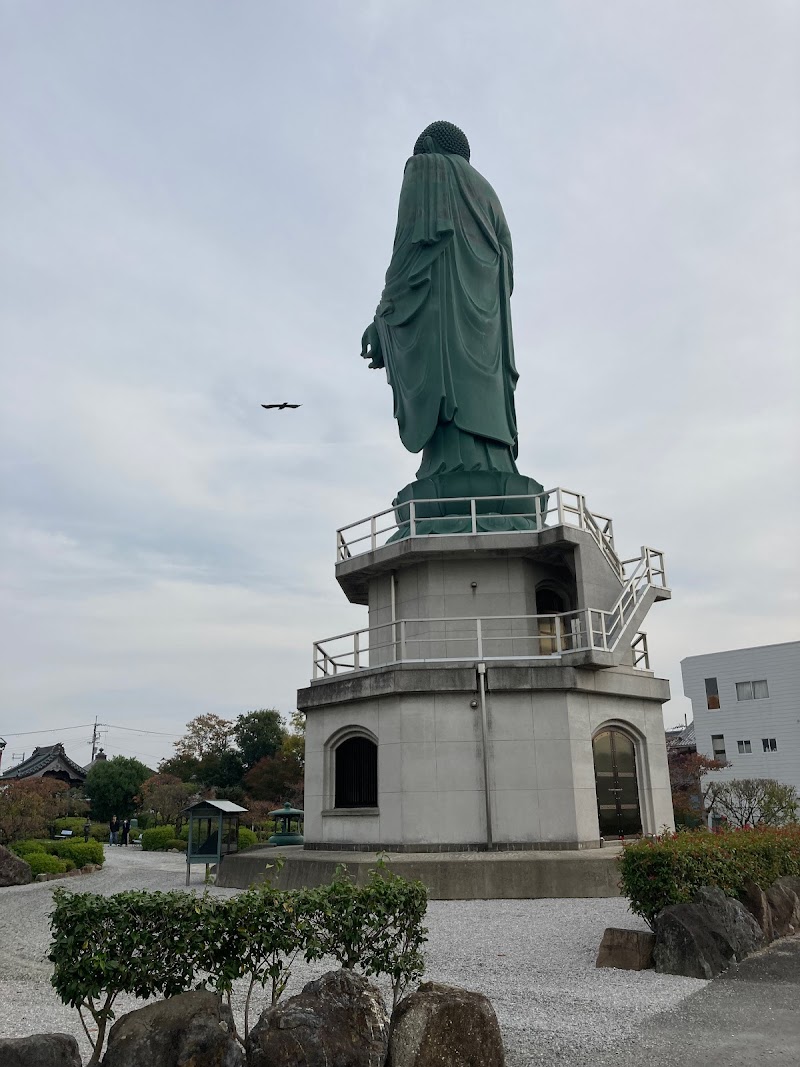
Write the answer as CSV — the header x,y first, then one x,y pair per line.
x,y
198,206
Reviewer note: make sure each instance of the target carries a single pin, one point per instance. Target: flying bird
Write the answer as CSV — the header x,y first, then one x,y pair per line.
x,y
280,407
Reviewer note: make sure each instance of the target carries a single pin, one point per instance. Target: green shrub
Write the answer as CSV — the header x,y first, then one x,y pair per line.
x,y
78,852
99,830
44,863
143,819
145,944
25,848
158,838
247,838
161,944
177,843
670,869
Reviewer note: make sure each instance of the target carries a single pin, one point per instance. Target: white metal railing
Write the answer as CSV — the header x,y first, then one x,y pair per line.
x,y
556,507
641,653
495,637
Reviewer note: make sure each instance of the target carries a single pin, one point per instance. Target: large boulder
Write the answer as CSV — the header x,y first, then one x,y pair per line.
x,y
441,1026
629,950
190,1030
702,939
13,870
339,1020
784,904
40,1050
755,900
741,929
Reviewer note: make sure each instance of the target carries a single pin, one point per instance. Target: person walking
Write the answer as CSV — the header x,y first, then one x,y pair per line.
x,y
114,830
126,829
87,830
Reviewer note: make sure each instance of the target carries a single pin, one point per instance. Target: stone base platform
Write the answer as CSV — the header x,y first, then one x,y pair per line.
x,y
521,875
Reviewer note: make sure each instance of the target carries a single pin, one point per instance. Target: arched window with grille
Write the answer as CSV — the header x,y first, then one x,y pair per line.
x,y
356,773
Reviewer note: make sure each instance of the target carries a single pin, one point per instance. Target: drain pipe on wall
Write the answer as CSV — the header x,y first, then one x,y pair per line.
x,y
485,747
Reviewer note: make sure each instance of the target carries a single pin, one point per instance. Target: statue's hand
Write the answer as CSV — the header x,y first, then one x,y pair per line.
x,y
371,347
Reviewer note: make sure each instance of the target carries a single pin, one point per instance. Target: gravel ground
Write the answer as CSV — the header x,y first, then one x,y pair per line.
x,y
533,958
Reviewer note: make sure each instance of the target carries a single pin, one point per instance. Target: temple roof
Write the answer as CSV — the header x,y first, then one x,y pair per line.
x,y
45,758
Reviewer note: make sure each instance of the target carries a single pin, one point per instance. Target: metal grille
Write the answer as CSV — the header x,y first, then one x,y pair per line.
x,y
356,774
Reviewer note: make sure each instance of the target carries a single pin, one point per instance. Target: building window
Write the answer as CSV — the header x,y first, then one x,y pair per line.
x,y
743,746
770,744
356,774
752,690
712,694
718,747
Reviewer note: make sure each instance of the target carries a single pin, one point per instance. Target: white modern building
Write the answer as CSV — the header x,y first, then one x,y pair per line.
x,y
746,705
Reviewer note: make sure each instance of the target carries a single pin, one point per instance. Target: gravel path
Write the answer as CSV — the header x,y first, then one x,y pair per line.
x,y
533,958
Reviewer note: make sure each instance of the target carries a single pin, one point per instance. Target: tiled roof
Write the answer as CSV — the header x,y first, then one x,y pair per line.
x,y
40,759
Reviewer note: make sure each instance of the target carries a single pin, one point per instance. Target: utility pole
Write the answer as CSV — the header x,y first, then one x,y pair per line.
x,y
2,749
94,739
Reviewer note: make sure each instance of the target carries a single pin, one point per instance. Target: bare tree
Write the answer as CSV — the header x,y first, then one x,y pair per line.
x,y
753,802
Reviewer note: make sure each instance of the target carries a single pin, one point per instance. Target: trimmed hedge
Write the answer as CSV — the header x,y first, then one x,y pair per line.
x,y
161,944
44,863
670,869
78,852
158,838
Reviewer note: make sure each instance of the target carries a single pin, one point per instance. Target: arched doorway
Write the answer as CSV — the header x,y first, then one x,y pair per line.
x,y
617,789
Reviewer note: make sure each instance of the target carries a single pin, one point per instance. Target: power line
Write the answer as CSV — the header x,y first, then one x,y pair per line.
x,y
59,730
88,726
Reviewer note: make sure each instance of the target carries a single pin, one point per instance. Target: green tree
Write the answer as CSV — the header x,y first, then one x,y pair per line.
x,y
113,786
221,769
184,767
258,734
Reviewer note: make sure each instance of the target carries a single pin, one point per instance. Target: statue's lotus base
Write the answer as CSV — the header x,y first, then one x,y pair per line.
x,y
443,513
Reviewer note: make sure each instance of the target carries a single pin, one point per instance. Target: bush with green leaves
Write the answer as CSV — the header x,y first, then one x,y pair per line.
x,y
79,852
158,838
99,830
670,869
145,944
161,944
247,838
24,848
44,863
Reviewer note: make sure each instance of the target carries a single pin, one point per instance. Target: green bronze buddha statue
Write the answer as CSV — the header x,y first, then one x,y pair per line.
x,y
442,329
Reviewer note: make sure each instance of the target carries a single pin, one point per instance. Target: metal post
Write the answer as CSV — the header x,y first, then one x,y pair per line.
x,y
559,634
560,507
485,746
537,512
402,640
372,533
393,596
356,651
479,632
412,518
473,511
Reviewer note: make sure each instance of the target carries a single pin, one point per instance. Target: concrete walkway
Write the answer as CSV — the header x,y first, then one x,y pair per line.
x,y
748,1017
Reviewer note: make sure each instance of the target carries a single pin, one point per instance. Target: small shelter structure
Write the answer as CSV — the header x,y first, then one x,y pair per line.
x,y
213,832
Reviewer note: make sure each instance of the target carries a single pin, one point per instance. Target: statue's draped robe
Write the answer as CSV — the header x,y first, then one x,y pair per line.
x,y
444,319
